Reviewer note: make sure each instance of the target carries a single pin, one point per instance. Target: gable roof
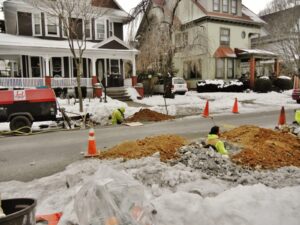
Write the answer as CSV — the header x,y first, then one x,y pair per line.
x,y
112,43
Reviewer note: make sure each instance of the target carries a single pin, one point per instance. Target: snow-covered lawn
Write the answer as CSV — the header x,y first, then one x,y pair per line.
x,y
180,195
192,103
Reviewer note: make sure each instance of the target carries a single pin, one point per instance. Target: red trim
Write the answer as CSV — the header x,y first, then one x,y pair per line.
x,y
52,219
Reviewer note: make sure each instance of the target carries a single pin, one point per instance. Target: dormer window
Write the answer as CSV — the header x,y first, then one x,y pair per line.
x,y
100,29
37,24
52,28
216,5
225,6
234,6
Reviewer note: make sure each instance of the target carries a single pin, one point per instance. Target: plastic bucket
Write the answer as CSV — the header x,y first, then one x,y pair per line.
x,y
18,211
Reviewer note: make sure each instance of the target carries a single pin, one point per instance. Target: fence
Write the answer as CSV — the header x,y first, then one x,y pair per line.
x,y
13,82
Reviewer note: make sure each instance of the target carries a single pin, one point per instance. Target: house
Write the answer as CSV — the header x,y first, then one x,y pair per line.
x,y
281,35
214,40
38,53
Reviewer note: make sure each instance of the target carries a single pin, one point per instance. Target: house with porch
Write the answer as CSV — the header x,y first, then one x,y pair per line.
x,y
35,51
214,40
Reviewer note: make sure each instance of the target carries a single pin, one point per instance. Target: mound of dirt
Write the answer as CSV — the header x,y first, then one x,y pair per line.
x,y
166,145
148,115
264,148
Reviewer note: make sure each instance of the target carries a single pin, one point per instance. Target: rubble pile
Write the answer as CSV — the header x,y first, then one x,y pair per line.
x,y
211,164
166,145
145,115
264,148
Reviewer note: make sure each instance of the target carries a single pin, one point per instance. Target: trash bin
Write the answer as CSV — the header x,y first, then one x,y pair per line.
x,y
18,211
98,90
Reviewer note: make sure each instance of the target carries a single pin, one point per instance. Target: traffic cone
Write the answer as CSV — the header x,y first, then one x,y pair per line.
x,y
235,108
92,149
205,113
282,120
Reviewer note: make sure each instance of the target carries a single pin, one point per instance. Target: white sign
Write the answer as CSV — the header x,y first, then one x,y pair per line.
x,y
19,95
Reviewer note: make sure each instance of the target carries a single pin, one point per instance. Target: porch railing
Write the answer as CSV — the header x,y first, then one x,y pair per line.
x,y
14,82
70,82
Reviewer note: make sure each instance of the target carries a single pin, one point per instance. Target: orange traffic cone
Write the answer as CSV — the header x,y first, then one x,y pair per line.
x,y
282,119
235,108
92,149
205,113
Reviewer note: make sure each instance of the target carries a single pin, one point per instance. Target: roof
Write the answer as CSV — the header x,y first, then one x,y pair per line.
x,y
254,52
224,52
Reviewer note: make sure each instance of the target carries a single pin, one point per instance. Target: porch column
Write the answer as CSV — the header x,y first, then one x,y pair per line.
x,y
276,67
134,77
47,73
94,73
252,72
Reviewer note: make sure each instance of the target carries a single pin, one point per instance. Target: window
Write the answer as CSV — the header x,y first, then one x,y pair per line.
x,y
233,6
216,5
220,68
114,66
192,69
52,26
100,29
225,6
243,35
35,66
230,68
37,24
110,29
88,29
224,36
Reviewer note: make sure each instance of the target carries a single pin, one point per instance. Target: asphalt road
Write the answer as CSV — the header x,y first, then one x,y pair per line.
x,y
25,158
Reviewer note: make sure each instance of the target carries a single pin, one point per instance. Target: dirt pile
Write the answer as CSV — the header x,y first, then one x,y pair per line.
x,y
167,145
264,148
148,115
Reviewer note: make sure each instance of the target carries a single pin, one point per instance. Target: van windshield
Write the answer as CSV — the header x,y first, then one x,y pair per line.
x,y
179,81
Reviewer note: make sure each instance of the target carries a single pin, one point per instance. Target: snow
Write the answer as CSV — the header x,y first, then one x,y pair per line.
x,y
284,77
173,191
264,78
192,103
252,15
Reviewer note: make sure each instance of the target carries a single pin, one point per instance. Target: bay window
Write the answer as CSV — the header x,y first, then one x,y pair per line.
x,y
216,5
233,6
230,68
220,68
225,6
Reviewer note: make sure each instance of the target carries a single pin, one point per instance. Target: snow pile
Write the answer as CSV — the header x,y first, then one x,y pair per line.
x,y
179,194
264,78
284,77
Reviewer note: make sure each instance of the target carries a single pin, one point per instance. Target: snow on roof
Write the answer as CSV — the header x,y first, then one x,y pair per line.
x,y
24,41
252,15
255,51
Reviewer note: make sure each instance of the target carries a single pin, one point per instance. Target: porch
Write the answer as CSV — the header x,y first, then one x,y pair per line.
x,y
28,62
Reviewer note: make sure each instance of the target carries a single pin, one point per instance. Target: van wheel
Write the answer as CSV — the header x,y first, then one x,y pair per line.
x,y
20,122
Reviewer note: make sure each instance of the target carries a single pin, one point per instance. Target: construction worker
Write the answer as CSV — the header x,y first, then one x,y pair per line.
x,y
214,141
297,116
117,116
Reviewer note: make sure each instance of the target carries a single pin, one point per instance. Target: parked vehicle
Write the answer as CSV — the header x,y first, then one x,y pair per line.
x,y
178,86
296,95
23,107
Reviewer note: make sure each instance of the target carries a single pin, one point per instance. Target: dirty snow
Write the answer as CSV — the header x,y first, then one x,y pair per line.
x,y
179,194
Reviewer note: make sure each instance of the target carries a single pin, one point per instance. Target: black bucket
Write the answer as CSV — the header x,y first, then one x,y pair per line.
x,y
18,211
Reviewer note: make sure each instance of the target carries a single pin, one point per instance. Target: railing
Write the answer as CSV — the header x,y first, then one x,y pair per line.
x,y
13,82
70,82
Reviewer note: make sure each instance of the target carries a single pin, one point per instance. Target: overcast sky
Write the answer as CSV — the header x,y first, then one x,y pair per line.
x,y
254,5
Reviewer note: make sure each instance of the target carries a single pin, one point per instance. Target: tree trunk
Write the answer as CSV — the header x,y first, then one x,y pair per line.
x,y
79,74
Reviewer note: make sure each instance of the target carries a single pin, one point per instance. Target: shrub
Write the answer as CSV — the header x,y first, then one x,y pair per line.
x,y
220,86
283,83
263,85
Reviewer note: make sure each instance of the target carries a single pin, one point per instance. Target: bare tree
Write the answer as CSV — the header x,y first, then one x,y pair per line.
x,y
157,46
284,28
74,15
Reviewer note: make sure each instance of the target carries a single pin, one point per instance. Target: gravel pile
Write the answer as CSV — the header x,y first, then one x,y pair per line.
x,y
212,164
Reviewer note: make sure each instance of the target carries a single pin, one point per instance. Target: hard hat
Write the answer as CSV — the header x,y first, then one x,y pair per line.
x,y
122,109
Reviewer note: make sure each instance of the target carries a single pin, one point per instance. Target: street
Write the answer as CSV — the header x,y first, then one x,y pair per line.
x,y
25,158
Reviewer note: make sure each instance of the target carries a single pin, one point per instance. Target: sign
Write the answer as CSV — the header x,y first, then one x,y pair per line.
x,y
19,95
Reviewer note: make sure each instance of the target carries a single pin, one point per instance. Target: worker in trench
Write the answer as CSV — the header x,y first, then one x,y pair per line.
x,y
117,116
214,141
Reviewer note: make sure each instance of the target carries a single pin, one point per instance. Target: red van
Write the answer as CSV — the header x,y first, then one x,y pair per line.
x,y
23,107
296,95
